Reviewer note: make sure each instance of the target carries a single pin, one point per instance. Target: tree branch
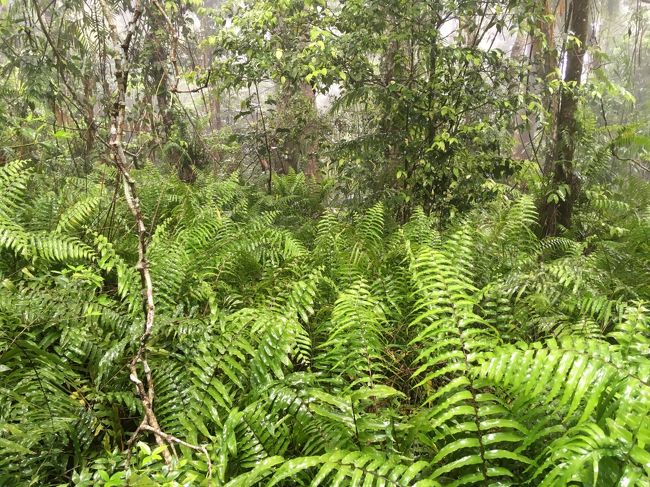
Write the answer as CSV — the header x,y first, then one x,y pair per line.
x,y
145,389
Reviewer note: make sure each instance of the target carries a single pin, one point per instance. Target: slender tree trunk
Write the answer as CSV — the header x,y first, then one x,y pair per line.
x,y
387,126
523,132
541,52
89,116
299,147
311,146
215,113
160,86
144,388
555,212
289,153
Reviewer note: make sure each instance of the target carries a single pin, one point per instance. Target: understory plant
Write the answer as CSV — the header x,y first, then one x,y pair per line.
x,y
300,343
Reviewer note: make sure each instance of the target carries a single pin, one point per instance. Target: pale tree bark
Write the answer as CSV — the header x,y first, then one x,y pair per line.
x,y
388,130
118,122
524,127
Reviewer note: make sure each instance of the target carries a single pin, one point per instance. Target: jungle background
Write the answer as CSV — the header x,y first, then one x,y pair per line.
x,y
324,242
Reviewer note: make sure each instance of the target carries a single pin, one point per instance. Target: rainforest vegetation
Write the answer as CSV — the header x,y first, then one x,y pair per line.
x,y
325,242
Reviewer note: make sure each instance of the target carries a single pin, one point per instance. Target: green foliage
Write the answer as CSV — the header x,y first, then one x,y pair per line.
x,y
395,137
385,313
338,349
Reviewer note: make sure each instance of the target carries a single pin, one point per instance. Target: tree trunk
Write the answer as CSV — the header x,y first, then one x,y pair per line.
x,y
541,53
311,146
558,211
523,132
387,124
89,117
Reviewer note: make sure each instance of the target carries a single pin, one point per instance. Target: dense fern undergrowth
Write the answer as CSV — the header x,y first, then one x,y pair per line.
x,y
304,344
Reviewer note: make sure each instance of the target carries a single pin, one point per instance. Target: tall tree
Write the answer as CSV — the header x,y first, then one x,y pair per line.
x,y
557,208
535,47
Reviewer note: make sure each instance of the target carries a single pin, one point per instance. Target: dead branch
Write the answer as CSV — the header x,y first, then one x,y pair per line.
x,y
145,389
204,86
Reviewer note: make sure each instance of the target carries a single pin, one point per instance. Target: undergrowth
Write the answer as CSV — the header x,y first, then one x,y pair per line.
x,y
307,344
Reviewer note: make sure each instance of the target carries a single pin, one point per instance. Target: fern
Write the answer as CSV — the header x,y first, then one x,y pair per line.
x,y
469,428
78,214
355,347
589,386
355,467
318,350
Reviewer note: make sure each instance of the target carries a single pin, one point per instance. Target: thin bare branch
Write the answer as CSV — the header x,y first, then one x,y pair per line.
x,y
172,439
145,389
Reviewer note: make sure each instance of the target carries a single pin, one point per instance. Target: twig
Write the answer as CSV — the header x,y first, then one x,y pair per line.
x,y
204,86
60,59
172,439
118,122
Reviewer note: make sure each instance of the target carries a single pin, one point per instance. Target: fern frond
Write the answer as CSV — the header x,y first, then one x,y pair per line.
x,y
77,214
355,344
14,237
370,229
471,429
53,247
365,467
586,384
13,182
